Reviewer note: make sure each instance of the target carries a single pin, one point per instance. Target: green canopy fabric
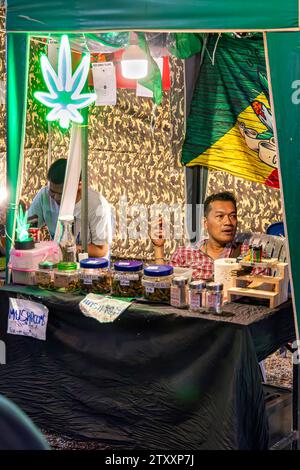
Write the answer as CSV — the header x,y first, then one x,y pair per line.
x,y
284,60
110,15
17,79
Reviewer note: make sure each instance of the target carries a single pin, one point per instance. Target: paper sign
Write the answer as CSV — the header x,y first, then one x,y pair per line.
x,y
105,86
27,318
103,309
143,91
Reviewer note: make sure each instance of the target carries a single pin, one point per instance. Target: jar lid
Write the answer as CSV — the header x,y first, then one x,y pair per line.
x,y
197,285
155,270
47,265
179,281
67,266
128,266
94,263
214,286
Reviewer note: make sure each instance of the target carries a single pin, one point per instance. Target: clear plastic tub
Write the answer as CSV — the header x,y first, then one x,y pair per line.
x,y
66,277
95,276
156,282
127,279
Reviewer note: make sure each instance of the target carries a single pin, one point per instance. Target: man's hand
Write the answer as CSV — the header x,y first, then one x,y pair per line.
x,y
157,234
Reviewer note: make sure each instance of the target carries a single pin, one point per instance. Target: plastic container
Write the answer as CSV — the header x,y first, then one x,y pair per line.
x,y
197,296
179,292
214,297
66,277
30,259
94,276
127,279
44,276
156,282
26,277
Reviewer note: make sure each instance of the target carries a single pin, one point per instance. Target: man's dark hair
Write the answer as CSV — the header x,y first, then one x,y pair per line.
x,y
224,196
57,171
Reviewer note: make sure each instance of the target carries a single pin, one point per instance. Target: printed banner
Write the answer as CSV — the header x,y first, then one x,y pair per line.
x,y
27,318
230,127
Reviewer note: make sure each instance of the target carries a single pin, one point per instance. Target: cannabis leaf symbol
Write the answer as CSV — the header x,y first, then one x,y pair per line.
x,y
65,88
22,225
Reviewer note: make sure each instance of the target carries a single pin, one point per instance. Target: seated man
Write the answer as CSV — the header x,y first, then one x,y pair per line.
x,y
220,221
45,208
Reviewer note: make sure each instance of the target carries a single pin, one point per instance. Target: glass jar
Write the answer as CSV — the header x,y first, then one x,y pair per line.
x,y
44,276
214,297
179,292
127,279
94,276
156,282
66,277
197,296
67,241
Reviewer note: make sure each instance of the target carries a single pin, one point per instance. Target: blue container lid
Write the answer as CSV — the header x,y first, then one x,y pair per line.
x,y
128,266
94,263
157,270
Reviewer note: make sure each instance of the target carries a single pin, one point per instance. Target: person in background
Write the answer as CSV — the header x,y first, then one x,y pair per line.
x,y
220,221
45,210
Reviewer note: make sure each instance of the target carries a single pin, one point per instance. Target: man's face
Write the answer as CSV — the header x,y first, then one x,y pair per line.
x,y
55,191
221,221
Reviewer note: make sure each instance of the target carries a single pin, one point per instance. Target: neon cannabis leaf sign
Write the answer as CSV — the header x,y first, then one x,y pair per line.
x,y
64,95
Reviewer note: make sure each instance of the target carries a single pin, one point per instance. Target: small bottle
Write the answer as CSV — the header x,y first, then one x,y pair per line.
x,y
197,296
179,297
214,297
67,240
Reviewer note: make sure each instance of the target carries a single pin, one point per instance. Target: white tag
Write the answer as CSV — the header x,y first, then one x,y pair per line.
x,y
150,290
88,278
105,83
126,277
27,318
103,309
156,285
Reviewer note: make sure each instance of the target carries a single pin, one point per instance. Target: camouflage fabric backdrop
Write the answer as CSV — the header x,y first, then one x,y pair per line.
x,y
134,151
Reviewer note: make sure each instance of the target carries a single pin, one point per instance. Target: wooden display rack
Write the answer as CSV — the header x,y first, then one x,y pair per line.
x,y
273,288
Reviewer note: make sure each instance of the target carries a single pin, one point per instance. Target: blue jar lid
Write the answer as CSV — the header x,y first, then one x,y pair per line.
x,y
157,270
94,263
128,266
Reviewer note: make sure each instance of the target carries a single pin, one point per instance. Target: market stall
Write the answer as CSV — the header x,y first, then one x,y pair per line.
x,y
41,20
157,377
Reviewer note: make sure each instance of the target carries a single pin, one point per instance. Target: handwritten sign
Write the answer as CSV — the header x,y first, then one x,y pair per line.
x,y
27,318
104,77
103,309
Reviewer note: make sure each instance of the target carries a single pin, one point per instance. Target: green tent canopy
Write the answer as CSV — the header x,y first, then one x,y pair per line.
x,y
95,15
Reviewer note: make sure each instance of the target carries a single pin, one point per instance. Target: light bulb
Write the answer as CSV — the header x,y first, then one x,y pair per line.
x,y
134,63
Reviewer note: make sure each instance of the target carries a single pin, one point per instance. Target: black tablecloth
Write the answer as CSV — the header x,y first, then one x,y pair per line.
x,y
156,378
